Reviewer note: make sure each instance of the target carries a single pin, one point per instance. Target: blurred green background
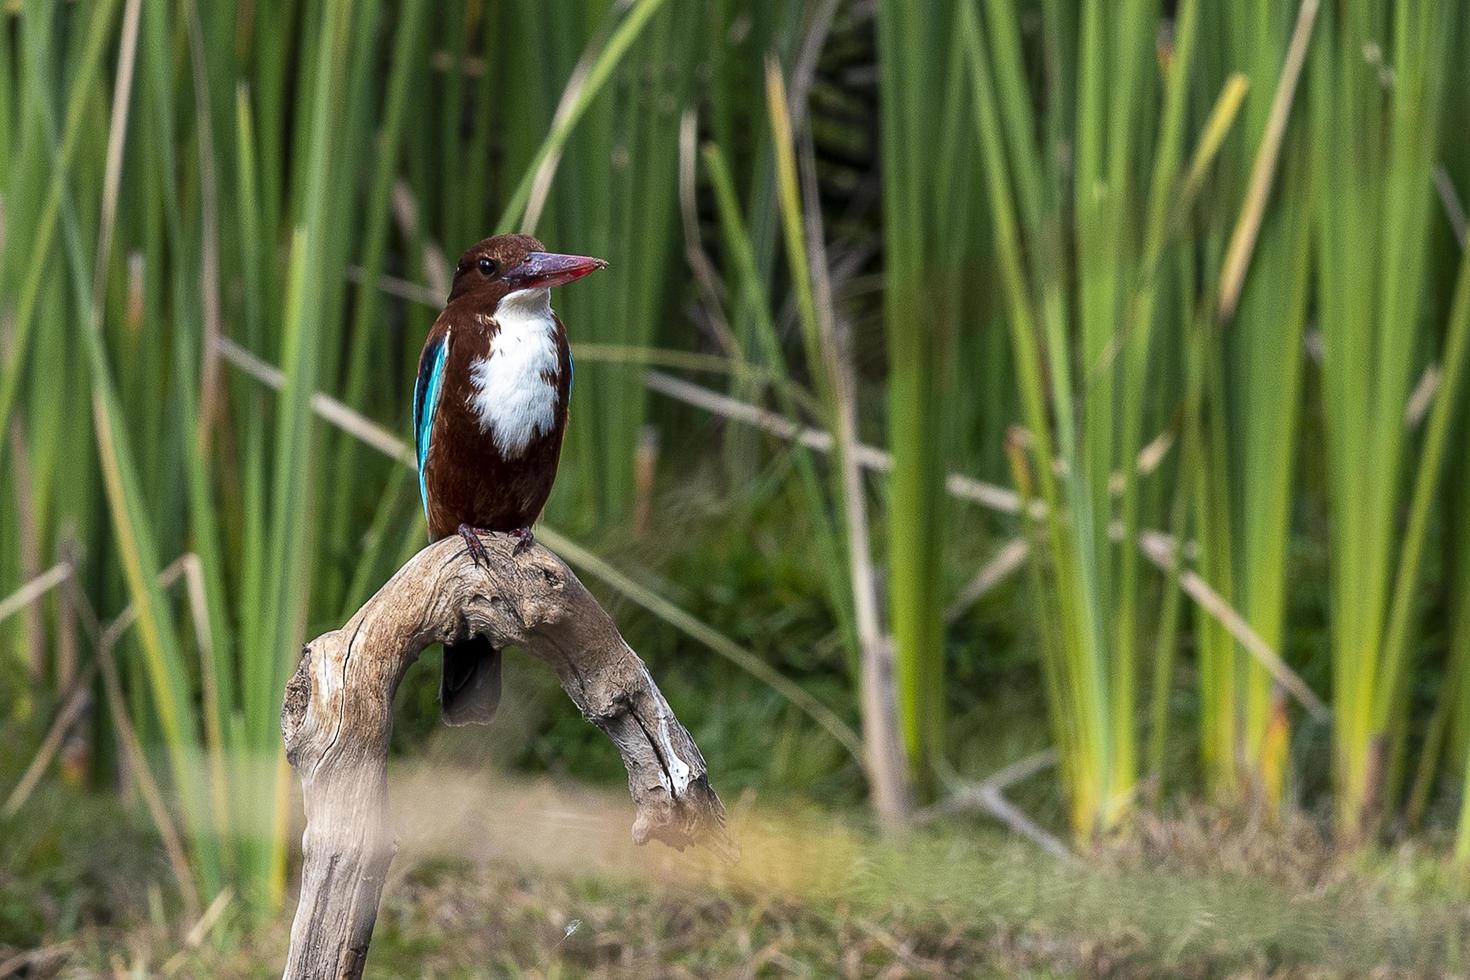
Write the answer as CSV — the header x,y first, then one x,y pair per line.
x,y
1008,428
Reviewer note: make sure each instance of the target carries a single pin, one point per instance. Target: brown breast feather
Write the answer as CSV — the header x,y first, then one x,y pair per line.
x,y
469,481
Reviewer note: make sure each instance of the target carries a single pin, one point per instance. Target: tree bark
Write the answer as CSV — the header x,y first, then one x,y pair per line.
x,y
337,719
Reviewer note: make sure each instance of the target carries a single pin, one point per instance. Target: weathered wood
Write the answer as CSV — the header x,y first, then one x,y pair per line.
x,y
337,719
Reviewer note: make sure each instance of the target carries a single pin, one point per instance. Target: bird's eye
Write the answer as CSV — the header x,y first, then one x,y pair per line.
x,y
487,267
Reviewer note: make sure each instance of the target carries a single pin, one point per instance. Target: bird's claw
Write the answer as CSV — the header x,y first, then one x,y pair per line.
x,y
474,546
524,540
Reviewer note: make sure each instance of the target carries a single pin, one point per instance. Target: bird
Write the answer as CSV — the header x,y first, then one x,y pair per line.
x,y
489,411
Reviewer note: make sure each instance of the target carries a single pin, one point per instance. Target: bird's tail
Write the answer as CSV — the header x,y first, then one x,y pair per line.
x,y
469,690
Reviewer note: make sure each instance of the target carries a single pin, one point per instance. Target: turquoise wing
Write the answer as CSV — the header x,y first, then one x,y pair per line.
x,y
425,400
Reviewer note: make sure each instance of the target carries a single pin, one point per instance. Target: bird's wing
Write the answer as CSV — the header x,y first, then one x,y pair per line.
x,y
425,400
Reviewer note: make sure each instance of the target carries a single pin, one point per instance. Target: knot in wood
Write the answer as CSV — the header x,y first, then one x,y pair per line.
x,y
294,705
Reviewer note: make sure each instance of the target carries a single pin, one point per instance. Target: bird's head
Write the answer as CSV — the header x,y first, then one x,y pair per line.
x,y
497,267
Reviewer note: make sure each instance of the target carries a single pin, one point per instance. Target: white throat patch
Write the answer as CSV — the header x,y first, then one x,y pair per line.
x,y
512,398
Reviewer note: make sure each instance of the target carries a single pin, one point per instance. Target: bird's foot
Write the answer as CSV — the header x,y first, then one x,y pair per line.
x,y
524,540
474,546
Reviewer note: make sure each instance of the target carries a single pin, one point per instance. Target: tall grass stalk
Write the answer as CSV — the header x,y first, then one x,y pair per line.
x,y
828,358
921,188
1073,645
1090,413
756,299
1253,366
1373,176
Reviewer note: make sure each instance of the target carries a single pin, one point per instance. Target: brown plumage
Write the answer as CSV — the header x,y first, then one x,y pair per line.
x,y
490,410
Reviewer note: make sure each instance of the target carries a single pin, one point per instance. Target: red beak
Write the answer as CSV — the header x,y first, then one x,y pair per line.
x,y
546,269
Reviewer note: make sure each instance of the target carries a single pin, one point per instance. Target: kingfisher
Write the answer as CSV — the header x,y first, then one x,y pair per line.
x,y
489,413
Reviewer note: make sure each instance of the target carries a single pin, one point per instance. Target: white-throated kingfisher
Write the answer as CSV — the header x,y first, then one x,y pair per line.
x,y
489,413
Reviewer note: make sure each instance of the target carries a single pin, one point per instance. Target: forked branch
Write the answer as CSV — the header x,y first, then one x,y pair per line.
x,y
337,719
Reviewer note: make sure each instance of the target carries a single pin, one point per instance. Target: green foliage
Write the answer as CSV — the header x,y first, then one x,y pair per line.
x,y
1068,246
1376,307
248,172
924,199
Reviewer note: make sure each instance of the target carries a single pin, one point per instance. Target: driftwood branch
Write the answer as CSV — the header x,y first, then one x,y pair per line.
x,y
337,719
